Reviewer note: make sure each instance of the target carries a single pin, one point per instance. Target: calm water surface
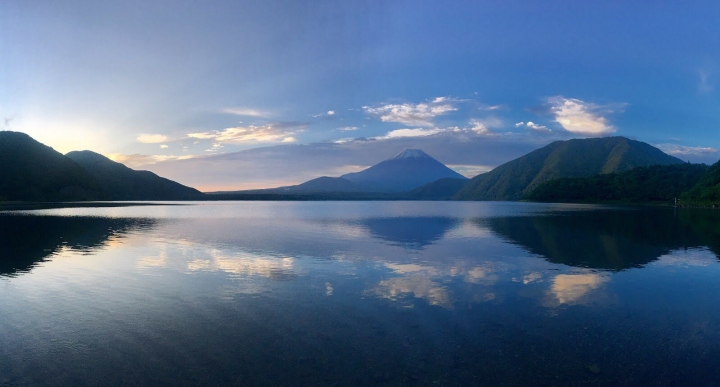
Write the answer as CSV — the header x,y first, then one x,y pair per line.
x,y
360,293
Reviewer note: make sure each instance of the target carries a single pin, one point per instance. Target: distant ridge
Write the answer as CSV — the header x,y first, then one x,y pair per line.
x,y
119,182
31,171
405,171
572,158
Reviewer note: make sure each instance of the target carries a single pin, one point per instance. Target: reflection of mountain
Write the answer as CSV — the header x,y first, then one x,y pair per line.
x,y
412,232
28,240
613,240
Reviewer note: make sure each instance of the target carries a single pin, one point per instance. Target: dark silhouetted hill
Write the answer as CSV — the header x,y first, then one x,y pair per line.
x,y
119,182
31,171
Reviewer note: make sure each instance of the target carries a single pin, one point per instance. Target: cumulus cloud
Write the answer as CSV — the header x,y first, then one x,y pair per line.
x,y
241,111
421,114
580,117
151,138
273,132
681,150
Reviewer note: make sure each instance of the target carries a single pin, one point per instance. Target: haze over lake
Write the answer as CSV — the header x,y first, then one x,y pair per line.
x,y
360,293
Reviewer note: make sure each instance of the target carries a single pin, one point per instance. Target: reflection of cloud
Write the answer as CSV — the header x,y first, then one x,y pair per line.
x,y
694,257
159,260
328,289
532,277
246,265
571,288
417,285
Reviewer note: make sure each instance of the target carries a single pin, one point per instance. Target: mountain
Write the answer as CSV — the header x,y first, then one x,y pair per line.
x,y
442,189
657,183
322,184
119,182
572,158
31,171
707,190
409,169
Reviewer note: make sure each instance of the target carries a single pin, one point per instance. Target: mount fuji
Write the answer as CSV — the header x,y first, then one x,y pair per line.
x,y
405,171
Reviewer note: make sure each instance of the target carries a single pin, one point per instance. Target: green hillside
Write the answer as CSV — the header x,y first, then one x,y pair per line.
x,y
119,182
572,158
707,190
654,184
441,189
31,171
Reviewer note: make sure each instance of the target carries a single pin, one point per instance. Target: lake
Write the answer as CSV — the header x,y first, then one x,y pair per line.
x,y
360,293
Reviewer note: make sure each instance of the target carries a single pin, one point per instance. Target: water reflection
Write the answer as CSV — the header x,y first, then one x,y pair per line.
x,y
410,232
611,239
25,241
328,300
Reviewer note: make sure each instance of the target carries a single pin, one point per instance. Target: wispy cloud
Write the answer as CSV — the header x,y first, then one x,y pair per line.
x,y
681,150
327,114
705,85
248,112
348,128
410,133
533,126
272,132
580,117
151,138
421,114
138,160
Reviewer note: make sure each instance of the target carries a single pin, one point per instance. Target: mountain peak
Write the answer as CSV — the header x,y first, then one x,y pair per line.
x,y
411,154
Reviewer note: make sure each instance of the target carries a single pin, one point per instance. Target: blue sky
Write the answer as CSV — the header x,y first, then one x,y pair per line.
x,y
230,95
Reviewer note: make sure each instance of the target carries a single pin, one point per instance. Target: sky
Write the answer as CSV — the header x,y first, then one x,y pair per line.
x,y
226,95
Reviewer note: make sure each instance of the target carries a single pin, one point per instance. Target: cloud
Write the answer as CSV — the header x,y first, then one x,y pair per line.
x,y
410,133
138,160
289,139
492,107
163,146
273,132
580,117
151,138
681,150
469,170
533,126
327,114
348,128
421,114
239,111
705,86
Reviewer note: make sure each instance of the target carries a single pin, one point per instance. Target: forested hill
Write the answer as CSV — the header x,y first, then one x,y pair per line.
x,y
654,184
572,158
